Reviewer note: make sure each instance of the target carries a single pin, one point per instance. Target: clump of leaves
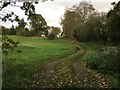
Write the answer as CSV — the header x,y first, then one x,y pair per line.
x,y
51,36
8,44
112,56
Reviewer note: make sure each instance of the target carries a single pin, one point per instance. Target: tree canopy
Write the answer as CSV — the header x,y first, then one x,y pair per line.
x,y
84,23
38,24
28,9
113,23
75,16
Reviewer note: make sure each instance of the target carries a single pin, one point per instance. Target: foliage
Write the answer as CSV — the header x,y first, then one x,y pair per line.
x,y
85,24
55,30
38,24
104,59
76,16
20,29
51,36
93,29
113,23
12,31
4,30
112,58
8,44
28,7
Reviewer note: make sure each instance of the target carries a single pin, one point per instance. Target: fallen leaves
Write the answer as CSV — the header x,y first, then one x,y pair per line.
x,y
63,75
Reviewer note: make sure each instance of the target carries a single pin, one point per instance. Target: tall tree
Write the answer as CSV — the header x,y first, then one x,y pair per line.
x,y
38,24
21,27
92,29
113,23
76,16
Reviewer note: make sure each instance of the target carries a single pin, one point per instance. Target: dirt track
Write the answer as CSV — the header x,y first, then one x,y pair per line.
x,y
68,72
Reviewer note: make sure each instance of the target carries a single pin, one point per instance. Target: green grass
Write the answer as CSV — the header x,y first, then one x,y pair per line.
x,y
19,67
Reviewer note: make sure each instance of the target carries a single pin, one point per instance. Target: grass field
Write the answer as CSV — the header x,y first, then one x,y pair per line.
x,y
18,67
25,69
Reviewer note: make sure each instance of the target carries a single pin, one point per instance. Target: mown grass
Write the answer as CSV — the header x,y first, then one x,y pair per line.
x,y
19,67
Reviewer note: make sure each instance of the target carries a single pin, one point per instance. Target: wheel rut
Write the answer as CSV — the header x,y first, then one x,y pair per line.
x,y
49,66
68,72
88,77
44,77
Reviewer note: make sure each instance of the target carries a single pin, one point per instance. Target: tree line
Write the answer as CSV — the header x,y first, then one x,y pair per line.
x,y
37,27
80,22
85,24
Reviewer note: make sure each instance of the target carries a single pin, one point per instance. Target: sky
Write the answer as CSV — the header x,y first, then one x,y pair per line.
x,y
52,11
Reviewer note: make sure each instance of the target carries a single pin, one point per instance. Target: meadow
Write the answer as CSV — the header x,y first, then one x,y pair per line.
x,y
60,63
18,67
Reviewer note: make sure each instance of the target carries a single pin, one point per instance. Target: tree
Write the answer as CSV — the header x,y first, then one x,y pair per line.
x,y
28,7
21,27
93,29
4,30
55,30
12,30
113,23
27,32
38,24
74,17
69,23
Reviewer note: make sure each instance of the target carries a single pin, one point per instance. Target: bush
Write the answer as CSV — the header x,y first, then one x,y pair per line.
x,y
8,44
107,60
92,59
112,56
51,36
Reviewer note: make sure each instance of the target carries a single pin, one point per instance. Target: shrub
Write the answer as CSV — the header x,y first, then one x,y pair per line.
x,y
92,59
51,36
8,44
107,60
112,56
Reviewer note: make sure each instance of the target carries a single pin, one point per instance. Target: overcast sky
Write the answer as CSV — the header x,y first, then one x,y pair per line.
x,y
52,11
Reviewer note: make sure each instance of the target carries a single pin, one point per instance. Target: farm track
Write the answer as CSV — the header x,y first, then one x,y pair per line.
x,y
88,77
47,71
66,73
49,66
